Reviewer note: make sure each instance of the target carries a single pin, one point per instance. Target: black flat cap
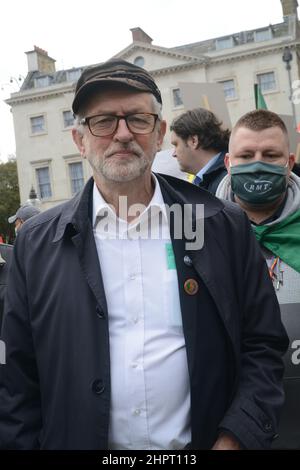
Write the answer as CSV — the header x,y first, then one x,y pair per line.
x,y
117,71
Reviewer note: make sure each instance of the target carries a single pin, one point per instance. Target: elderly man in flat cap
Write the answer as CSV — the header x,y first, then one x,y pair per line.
x,y
124,328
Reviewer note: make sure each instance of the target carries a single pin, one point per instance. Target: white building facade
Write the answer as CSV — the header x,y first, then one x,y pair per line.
x,y
48,160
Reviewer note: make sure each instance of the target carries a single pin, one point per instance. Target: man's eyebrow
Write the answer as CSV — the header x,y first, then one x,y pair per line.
x,y
273,150
134,110
245,150
268,149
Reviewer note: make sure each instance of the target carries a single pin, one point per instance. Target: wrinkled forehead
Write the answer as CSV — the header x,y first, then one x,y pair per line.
x,y
110,95
272,138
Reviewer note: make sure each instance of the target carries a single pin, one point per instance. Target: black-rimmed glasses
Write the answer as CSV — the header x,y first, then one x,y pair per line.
x,y
103,125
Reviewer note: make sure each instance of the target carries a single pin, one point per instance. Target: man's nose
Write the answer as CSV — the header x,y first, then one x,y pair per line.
x,y
258,156
122,132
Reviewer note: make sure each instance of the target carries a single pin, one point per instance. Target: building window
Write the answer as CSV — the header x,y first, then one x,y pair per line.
x,y
37,124
266,81
68,118
177,100
263,35
76,177
73,75
44,185
224,43
229,89
41,82
140,61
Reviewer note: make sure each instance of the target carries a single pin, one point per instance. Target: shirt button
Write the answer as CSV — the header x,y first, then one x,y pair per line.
x,y
137,412
135,320
268,426
134,365
98,387
187,261
99,311
132,277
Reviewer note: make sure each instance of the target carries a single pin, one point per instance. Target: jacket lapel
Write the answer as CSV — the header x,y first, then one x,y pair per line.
x,y
76,223
201,259
188,303
88,258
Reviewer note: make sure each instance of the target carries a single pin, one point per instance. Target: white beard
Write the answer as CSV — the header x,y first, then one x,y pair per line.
x,y
120,169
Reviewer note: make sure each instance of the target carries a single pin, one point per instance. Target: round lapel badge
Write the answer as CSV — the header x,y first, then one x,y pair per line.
x,y
191,286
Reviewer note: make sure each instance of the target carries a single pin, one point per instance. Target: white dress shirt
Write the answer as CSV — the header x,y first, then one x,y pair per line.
x,y
150,392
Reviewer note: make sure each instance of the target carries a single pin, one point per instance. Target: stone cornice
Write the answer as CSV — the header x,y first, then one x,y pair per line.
x,y
234,56
42,161
254,52
156,49
73,156
177,68
39,94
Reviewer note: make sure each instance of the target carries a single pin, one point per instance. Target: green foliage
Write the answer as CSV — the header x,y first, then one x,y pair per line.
x,y
9,198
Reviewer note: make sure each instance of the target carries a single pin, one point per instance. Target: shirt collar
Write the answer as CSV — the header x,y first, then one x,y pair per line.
x,y
208,165
101,207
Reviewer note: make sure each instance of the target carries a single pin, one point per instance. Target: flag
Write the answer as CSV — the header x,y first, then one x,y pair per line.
x,y
259,98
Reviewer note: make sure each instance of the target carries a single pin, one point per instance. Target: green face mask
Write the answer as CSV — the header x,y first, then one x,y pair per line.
x,y
258,183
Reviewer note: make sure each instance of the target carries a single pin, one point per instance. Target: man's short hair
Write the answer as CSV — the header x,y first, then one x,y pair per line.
x,y
205,125
259,120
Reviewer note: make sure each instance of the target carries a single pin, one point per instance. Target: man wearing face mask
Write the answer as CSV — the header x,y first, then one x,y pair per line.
x,y
261,181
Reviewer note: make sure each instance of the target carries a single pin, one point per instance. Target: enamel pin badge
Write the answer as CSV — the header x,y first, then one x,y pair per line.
x,y
191,286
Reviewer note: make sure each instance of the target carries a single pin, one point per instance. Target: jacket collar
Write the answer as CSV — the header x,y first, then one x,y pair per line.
x,y
218,164
179,191
77,212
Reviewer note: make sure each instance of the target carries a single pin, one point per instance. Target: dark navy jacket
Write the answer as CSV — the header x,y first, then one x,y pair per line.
x,y
214,175
5,259
55,387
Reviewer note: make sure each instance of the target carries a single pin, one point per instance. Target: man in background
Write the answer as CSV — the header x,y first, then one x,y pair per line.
x,y
163,163
23,213
260,179
200,146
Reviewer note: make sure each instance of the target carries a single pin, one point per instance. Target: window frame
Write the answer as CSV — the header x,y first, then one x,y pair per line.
x,y
69,72
174,106
37,80
137,63
75,162
66,128
76,158
33,116
265,72
264,30
40,166
228,79
219,41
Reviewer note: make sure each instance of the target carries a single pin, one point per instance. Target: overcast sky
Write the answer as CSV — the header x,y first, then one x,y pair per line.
x,y
84,32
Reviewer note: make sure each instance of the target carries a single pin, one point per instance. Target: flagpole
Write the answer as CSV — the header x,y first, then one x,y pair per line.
x,y
287,58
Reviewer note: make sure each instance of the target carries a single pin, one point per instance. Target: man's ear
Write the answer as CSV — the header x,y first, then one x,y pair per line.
x,y
227,163
78,140
291,162
193,141
161,134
